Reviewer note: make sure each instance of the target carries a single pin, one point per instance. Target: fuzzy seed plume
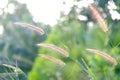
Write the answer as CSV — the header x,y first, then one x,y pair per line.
x,y
32,27
53,59
56,48
98,17
103,54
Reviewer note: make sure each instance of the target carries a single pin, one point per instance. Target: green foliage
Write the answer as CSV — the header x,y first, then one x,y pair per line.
x,y
75,36
17,45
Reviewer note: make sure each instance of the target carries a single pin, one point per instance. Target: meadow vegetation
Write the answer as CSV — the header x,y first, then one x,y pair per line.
x,y
73,49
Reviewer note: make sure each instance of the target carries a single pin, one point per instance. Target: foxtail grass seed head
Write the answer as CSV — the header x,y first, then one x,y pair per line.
x,y
96,14
16,69
56,48
32,27
53,59
103,54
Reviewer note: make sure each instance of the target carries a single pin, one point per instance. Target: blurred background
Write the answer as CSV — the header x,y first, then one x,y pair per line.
x,y
68,24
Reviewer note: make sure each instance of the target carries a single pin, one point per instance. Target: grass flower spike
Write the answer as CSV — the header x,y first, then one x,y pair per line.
x,y
98,17
56,48
53,59
32,27
103,54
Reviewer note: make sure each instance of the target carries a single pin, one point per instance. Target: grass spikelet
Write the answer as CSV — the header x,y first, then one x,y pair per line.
x,y
53,59
32,27
58,49
16,69
103,54
98,17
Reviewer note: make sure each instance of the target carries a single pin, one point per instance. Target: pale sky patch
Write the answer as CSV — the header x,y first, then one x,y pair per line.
x,y
3,3
46,11
1,29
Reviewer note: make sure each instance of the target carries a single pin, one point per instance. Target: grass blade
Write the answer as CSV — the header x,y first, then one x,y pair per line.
x,y
16,69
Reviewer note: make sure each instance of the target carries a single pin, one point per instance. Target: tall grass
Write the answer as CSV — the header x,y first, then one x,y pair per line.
x,y
103,25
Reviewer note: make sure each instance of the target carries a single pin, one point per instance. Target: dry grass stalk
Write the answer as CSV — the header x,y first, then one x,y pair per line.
x,y
98,17
103,54
58,49
37,29
16,69
53,59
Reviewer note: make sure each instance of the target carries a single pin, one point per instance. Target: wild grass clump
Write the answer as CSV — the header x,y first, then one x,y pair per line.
x,y
65,53
103,25
61,62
